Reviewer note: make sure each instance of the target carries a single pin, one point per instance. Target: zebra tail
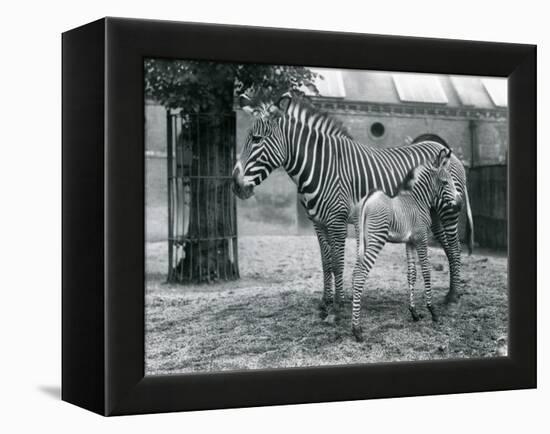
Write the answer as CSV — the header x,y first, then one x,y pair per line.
x,y
469,223
361,217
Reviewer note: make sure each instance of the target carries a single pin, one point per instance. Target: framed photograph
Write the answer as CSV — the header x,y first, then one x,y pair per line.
x,y
258,216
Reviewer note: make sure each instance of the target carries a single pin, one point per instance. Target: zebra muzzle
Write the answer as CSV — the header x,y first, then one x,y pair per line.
x,y
241,189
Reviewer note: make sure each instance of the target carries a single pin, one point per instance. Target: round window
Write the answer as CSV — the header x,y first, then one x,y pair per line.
x,y
377,129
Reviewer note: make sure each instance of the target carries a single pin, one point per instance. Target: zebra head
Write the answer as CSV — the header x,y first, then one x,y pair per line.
x,y
446,195
262,152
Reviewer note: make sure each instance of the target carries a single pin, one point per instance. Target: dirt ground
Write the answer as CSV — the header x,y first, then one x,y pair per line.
x,y
269,318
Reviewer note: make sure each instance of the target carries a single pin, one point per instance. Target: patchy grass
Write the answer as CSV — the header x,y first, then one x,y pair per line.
x,y
269,318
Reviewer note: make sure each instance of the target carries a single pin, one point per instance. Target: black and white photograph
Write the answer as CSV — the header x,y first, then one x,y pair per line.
x,y
283,217
302,216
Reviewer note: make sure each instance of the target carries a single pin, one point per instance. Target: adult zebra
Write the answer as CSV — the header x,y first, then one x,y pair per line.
x,y
332,173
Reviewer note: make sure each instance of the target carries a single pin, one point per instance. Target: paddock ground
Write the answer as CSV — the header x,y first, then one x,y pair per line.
x,y
269,318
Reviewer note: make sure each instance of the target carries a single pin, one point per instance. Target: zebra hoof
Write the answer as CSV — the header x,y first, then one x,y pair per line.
x,y
435,318
414,313
323,310
451,297
358,334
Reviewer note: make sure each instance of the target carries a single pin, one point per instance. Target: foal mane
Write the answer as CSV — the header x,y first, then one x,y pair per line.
x,y
410,179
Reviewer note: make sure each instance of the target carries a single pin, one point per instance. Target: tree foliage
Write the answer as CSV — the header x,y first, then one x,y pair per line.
x,y
212,86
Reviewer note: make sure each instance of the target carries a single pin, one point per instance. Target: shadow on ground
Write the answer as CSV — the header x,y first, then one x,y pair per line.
x,y
51,391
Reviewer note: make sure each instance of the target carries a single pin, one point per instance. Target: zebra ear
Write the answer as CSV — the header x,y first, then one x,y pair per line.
x,y
244,103
443,158
244,100
438,160
284,101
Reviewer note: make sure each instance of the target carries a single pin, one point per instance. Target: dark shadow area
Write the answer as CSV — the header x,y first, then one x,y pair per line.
x,y
51,391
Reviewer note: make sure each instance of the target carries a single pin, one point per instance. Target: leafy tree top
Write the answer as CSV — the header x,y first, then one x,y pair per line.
x,y
212,86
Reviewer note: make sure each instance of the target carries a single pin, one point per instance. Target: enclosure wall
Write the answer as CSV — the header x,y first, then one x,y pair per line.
x,y
488,189
83,219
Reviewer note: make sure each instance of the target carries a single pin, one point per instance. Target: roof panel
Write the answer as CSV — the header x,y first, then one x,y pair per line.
x,y
371,86
331,83
424,88
497,88
411,88
470,91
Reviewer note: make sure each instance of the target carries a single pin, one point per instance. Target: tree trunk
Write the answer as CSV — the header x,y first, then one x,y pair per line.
x,y
206,212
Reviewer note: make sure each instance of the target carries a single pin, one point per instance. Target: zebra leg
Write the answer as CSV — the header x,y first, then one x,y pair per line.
x,y
447,235
360,273
411,279
454,265
326,261
438,231
422,249
338,233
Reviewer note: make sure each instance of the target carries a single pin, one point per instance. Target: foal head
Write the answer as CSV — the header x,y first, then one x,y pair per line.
x,y
432,182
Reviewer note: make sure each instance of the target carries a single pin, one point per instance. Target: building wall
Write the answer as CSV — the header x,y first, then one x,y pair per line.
x,y
398,130
477,141
156,185
490,143
155,128
156,198
273,209
487,186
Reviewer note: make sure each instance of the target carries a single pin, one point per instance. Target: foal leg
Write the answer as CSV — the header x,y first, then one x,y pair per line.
x,y
411,279
360,273
455,263
422,249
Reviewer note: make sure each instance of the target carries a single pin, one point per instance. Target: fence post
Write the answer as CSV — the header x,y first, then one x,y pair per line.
x,y
169,163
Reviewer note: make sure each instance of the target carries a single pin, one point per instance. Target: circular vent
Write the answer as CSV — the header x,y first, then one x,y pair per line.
x,y
377,130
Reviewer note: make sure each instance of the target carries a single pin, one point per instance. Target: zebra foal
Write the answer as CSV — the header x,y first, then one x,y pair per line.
x,y
403,218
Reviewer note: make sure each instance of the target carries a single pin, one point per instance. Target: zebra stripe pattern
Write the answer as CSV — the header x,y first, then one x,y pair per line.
x,y
332,173
404,218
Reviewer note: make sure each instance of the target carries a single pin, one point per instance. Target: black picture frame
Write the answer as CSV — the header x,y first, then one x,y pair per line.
x,y
103,216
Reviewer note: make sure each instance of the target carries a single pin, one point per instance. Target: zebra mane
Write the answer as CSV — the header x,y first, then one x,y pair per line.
x,y
303,110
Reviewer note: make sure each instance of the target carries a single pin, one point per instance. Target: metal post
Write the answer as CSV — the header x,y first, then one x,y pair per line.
x,y
169,180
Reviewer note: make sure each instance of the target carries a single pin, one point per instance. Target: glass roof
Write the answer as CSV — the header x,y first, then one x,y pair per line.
x,y
410,88
331,83
497,88
424,88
